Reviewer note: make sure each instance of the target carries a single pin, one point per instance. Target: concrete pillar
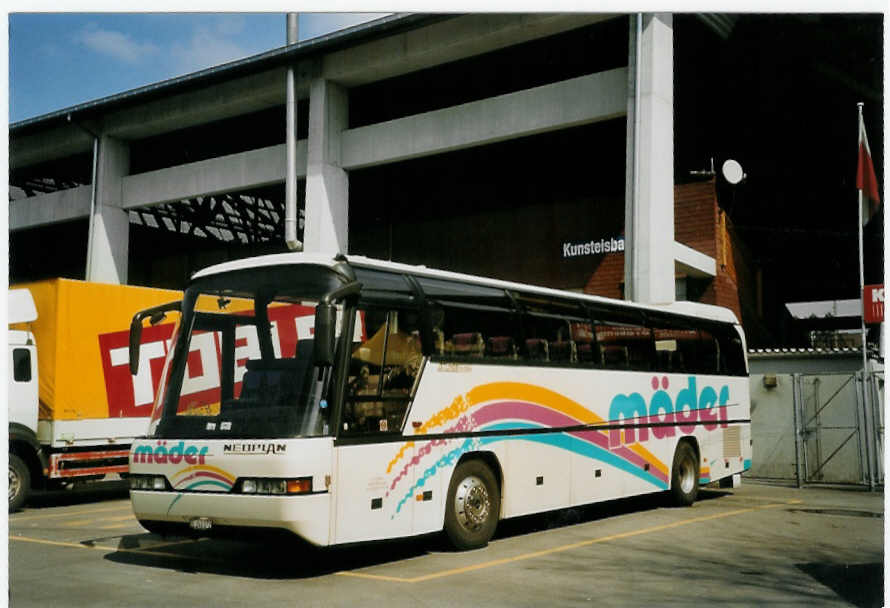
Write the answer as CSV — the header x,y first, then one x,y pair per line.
x,y
327,184
109,239
649,217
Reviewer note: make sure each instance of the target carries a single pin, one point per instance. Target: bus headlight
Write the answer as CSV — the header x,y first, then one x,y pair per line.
x,y
301,485
148,482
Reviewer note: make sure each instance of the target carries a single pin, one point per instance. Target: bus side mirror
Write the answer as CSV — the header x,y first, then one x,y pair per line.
x,y
135,341
155,315
325,325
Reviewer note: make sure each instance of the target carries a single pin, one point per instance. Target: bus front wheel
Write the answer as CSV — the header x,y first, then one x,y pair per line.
x,y
474,503
684,475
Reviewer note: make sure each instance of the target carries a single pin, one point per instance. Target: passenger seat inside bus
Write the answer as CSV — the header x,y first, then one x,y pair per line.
x,y
276,382
500,347
583,343
468,344
537,349
615,357
563,350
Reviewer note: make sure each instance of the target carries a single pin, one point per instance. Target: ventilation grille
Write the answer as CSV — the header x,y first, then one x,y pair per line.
x,y
732,442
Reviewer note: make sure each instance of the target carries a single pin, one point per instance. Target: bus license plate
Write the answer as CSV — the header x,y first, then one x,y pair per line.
x,y
200,524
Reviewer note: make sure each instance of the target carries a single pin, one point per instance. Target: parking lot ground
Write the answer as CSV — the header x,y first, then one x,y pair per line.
x,y
753,545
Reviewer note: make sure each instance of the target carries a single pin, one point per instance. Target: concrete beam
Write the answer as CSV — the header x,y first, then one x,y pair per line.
x,y
51,208
44,146
155,116
225,100
224,174
569,103
443,42
693,263
230,173
402,53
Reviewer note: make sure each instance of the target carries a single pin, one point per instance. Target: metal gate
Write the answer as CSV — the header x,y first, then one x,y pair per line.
x,y
839,435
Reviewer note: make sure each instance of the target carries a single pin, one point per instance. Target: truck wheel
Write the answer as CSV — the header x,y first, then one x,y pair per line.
x,y
684,475
19,483
474,503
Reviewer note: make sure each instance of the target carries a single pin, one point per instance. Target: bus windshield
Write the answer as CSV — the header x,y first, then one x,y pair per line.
x,y
242,365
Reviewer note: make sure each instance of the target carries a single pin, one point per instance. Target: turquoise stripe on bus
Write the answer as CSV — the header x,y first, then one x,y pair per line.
x,y
572,444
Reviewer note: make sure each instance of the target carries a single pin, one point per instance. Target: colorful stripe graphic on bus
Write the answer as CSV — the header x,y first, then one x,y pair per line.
x,y
202,478
513,406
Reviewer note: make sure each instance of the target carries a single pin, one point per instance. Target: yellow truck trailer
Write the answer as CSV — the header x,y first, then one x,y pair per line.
x,y
74,408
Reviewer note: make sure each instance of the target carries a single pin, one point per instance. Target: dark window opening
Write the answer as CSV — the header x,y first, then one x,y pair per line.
x,y
585,50
21,365
228,136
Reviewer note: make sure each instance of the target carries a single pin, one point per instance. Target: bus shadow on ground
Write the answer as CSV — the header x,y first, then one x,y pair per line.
x,y
282,556
66,497
265,557
589,513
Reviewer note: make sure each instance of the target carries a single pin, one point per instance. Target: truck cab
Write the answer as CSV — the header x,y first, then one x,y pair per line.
x,y
25,455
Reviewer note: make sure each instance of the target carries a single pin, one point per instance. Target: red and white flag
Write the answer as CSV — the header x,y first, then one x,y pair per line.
x,y
866,180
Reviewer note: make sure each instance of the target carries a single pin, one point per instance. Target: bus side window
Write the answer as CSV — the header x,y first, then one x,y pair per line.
x,y
383,367
732,355
708,354
628,347
676,350
550,326
482,332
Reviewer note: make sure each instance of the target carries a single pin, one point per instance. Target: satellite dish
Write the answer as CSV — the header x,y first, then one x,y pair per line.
x,y
732,172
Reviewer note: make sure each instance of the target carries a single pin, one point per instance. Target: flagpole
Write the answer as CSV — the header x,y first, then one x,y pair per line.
x,y
861,252
865,396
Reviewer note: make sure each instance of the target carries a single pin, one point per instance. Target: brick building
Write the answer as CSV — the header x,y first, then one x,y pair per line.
x,y
701,224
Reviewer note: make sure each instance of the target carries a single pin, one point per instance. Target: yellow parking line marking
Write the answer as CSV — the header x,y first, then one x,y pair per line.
x,y
78,522
94,520
376,577
130,516
561,548
184,541
147,551
116,526
15,520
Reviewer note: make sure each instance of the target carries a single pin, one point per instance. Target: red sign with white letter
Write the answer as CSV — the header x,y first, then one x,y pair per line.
x,y
873,303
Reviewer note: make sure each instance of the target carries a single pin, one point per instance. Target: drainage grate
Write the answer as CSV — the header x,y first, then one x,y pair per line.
x,y
841,512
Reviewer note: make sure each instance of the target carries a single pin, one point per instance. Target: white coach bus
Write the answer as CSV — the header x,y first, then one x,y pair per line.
x,y
350,399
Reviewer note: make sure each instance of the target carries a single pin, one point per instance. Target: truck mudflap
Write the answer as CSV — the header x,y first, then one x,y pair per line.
x,y
67,465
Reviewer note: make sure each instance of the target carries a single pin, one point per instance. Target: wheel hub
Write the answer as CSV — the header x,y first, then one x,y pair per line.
x,y
14,483
687,476
472,503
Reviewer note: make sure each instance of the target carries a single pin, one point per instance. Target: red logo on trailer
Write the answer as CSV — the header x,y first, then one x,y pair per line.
x,y
873,303
133,396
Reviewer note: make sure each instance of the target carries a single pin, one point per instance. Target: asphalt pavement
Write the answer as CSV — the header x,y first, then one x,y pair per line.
x,y
753,545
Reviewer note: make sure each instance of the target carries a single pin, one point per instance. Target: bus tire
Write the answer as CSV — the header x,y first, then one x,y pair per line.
x,y
684,475
19,483
473,505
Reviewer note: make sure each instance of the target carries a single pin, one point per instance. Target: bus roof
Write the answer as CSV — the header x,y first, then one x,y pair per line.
x,y
695,309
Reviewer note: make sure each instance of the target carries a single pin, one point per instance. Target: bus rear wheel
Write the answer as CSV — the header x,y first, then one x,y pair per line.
x,y
474,503
684,475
